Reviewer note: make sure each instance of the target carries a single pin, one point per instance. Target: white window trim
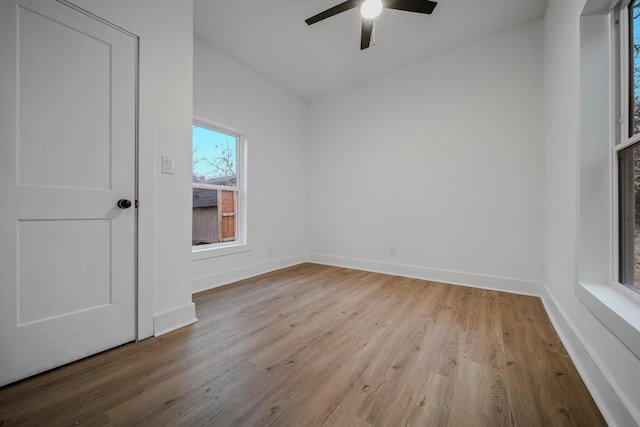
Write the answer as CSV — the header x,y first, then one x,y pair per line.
x,y
241,244
615,305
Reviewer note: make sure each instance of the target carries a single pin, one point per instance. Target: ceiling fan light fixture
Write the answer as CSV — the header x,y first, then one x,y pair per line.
x,y
371,9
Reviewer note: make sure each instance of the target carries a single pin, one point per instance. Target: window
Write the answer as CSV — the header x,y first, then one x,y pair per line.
x,y
627,148
607,228
218,199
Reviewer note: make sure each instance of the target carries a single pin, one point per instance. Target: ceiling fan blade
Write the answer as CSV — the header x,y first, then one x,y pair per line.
x,y
367,30
344,6
419,6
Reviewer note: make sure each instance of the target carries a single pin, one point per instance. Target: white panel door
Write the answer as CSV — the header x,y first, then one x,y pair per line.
x,y
67,155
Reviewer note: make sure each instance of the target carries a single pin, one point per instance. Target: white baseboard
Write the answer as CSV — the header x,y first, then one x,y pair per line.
x,y
516,286
603,391
204,283
174,319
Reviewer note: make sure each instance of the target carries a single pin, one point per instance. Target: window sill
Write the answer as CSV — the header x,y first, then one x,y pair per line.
x,y
618,312
198,253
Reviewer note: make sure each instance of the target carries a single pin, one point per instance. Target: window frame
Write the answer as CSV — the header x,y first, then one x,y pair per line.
x,y
623,139
240,244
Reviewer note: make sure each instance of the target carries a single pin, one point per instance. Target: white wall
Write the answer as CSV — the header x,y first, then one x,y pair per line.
x,y
444,161
165,29
275,125
609,369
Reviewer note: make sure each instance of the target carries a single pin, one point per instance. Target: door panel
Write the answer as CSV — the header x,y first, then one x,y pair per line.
x,y
48,95
90,263
67,155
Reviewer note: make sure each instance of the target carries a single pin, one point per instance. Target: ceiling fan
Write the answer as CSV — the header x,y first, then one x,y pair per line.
x,y
370,9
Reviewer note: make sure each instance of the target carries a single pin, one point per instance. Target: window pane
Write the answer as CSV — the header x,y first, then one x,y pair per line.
x,y
205,216
214,157
634,68
629,169
214,216
227,215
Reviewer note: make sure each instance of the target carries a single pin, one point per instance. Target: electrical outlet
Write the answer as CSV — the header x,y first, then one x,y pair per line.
x,y
269,252
393,251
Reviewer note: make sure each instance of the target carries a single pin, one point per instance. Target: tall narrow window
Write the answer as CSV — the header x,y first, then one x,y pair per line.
x,y
628,147
216,186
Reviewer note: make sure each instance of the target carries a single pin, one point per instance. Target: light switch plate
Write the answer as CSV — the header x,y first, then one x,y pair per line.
x,y
168,165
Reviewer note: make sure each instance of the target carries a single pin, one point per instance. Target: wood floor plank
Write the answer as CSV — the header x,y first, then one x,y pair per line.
x,y
543,385
325,346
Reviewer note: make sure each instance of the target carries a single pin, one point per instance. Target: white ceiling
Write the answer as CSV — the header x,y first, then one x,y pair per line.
x,y
271,37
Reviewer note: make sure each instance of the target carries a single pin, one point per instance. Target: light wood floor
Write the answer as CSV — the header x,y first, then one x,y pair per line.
x,y
314,345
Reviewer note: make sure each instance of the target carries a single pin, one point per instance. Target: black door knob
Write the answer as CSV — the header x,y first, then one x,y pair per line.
x,y
124,204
